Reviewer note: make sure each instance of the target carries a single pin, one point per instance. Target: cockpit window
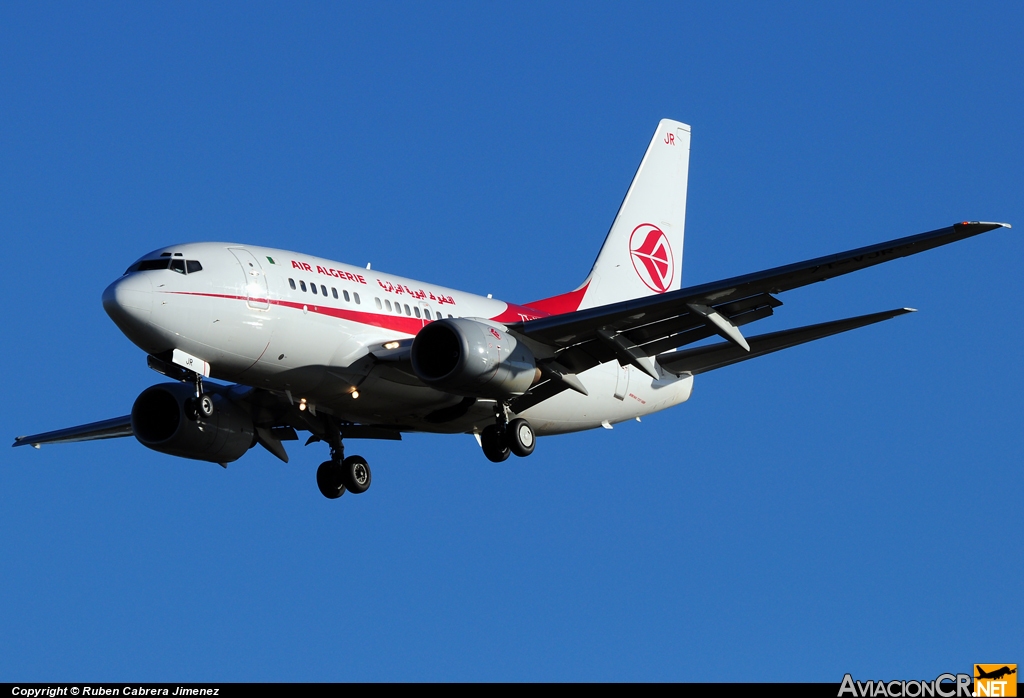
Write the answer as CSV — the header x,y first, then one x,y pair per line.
x,y
151,264
181,266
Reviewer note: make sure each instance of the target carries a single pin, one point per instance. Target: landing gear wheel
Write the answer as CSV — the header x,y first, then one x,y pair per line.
x,y
495,444
330,480
521,439
356,474
204,406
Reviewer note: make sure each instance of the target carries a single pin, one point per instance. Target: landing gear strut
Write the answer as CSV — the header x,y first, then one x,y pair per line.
x,y
202,404
504,437
339,473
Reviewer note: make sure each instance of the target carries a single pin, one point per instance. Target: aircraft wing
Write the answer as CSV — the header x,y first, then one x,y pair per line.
x,y
107,429
637,329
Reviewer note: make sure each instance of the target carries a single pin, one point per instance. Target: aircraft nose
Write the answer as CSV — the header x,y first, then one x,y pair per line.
x,y
129,301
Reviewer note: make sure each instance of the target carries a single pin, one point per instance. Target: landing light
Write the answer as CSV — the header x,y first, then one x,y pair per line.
x,y
355,394
302,404
392,345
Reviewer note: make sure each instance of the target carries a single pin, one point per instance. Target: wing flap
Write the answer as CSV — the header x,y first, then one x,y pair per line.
x,y
107,429
703,359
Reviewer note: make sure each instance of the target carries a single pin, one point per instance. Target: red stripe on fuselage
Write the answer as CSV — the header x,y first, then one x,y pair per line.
x,y
556,305
545,307
397,323
561,304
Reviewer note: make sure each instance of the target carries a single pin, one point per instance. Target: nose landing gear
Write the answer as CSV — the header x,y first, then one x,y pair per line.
x,y
201,405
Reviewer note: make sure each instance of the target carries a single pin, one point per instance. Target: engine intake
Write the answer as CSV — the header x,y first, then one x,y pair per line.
x,y
159,423
473,358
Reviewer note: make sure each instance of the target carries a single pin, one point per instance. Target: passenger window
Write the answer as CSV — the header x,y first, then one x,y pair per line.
x,y
291,282
302,284
347,298
439,315
192,266
407,312
377,301
323,289
388,304
178,265
312,287
335,292
449,314
356,296
416,310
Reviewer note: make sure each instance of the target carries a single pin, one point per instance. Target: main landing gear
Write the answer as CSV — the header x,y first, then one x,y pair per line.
x,y
505,437
338,474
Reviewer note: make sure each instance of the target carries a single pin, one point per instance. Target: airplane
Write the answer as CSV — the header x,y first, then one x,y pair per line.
x,y
345,352
994,674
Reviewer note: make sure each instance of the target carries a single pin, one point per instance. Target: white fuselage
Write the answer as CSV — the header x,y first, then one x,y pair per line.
x,y
242,315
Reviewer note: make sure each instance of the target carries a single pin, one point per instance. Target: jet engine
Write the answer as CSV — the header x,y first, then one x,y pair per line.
x,y
159,422
473,358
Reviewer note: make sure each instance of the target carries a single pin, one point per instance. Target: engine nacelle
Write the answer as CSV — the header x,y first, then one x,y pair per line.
x,y
159,423
473,358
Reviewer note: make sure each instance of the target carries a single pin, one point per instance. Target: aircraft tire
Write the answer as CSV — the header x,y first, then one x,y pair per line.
x,y
204,406
356,474
521,439
329,479
495,444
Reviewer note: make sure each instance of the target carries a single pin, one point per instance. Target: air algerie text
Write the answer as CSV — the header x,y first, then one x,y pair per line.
x,y
326,271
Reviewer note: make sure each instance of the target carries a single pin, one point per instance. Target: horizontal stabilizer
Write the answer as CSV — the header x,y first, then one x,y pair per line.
x,y
107,429
703,359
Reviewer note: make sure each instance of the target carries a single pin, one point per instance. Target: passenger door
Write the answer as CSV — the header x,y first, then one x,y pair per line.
x,y
256,289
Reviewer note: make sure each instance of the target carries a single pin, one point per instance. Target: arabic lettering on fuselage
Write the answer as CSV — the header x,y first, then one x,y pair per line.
x,y
420,294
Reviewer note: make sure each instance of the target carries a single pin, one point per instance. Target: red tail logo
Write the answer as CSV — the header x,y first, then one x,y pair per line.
x,y
652,257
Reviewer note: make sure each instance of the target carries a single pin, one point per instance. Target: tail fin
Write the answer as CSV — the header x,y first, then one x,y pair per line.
x,y
643,253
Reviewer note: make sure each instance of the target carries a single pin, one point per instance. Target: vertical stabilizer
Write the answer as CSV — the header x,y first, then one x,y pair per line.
x,y
643,253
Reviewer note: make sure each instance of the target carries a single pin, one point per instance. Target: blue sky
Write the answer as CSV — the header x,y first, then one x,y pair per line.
x,y
848,506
